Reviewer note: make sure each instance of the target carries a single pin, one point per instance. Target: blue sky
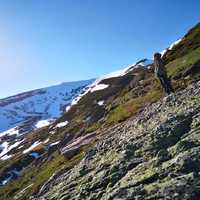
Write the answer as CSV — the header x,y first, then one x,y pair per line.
x,y
45,42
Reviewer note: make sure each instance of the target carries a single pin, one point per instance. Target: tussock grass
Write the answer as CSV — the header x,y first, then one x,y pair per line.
x,y
132,107
177,67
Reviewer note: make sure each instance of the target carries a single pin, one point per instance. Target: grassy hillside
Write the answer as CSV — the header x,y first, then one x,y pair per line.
x,y
189,43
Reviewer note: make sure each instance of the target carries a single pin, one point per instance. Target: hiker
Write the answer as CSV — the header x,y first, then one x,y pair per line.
x,y
161,74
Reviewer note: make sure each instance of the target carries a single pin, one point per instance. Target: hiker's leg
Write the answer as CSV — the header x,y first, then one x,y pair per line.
x,y
168,85
163,84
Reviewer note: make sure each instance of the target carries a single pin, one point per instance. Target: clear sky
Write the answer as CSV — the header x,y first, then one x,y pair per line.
x,y
45,42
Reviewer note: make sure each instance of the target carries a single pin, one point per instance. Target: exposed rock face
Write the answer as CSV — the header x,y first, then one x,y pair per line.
x,y
155,155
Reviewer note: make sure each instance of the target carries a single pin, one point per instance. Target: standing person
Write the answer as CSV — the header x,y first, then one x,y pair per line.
x,y
161,74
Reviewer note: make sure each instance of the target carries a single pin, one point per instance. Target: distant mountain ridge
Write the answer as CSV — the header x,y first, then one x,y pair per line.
x,y
40,104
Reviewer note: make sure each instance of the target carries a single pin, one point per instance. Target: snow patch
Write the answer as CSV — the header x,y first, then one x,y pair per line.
x,y
46,141
6,148
171,46
12,131
174,43
146,63
100,103
117,73
99,87
35,144
163,52
43,123
55,143
6,157
68,108
52,132
61,124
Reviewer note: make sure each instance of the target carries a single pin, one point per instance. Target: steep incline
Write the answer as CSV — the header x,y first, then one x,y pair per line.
x,y
18,151
120,139
153,156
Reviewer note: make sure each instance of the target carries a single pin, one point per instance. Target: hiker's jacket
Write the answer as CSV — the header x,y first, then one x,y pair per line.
x,y
159,68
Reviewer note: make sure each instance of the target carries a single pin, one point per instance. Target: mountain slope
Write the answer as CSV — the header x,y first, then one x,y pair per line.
x,y
28,108
152,156
119,139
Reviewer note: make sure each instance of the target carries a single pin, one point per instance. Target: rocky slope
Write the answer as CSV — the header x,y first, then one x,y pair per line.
x,y
152,156
35,138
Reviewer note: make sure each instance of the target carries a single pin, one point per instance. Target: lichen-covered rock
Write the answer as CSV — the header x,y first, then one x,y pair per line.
x,y
155,155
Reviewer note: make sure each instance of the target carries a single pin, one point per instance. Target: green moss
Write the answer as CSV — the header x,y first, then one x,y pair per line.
x,y
181,146
93,127
141,175
37,175
119,114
